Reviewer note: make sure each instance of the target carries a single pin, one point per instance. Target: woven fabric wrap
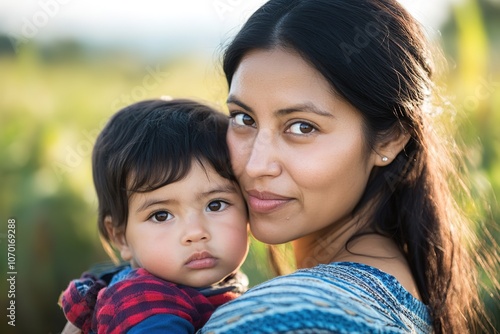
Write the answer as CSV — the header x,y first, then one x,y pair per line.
x,y
335,298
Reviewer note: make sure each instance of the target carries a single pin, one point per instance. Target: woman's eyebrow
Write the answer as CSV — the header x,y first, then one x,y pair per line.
x,y
234,100
303,107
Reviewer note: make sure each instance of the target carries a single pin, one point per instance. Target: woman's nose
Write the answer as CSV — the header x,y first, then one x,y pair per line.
x,y
263,156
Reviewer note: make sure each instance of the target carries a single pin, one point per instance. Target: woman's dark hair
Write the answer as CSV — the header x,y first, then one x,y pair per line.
x,y
376,57
150,144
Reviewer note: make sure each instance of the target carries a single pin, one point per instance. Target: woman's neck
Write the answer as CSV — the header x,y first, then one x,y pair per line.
x,y
329,245
323,246
343,240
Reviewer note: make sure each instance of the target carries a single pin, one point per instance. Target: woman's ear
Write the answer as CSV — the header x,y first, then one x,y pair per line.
x,y
117,236
388,148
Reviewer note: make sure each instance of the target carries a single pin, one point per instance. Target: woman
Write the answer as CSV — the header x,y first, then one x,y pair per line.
x,y
331,143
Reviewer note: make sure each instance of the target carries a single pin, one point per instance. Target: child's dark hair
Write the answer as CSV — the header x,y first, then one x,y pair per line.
x,y
150,144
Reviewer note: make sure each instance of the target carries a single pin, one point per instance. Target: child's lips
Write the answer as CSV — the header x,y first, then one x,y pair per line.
x,y
201,260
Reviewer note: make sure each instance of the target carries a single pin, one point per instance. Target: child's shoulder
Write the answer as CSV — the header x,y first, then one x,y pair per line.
x,y
140,295
131,283
139,284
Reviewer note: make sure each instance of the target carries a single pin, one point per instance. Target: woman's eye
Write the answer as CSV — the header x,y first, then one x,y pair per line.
x,y
217,205
243,119
161,216
301,128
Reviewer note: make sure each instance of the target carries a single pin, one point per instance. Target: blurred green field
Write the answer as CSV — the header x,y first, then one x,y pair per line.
x,y
55,99
53,104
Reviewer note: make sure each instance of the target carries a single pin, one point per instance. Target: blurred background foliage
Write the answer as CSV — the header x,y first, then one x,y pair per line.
x,y
56,97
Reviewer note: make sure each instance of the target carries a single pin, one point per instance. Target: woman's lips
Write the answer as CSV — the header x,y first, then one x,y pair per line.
x,y
265,202
201,260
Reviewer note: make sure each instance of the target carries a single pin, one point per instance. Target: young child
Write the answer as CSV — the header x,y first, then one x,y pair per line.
x,y
170,205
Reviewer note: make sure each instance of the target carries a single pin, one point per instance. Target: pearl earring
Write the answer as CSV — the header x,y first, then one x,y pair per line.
x,y
385,159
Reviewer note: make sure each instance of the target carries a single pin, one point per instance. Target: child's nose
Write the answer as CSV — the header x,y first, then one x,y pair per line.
x,y
195,230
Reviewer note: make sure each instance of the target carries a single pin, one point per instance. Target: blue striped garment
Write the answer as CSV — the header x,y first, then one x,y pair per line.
x,y
342,297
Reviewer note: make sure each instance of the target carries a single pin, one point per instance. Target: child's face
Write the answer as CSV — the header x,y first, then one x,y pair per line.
x,y
191,232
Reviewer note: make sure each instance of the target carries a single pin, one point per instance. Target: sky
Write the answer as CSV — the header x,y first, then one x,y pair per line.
x,y
153,25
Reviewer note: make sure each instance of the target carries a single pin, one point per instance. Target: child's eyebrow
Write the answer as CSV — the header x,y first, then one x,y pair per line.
x,y
154,201
218,189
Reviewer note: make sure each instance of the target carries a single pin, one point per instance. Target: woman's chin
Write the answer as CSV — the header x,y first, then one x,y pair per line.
x,y
270,233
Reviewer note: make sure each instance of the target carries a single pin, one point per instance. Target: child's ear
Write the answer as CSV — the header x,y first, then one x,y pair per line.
x,y
388,148
117,236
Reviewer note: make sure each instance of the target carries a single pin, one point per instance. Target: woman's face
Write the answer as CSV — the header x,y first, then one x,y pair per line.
x,y
297,149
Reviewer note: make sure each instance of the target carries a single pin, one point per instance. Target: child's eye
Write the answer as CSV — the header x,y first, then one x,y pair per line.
x,y
301,128
242,119
217,205
161,216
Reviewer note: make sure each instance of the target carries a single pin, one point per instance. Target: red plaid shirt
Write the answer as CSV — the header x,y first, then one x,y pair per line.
x,y
134,299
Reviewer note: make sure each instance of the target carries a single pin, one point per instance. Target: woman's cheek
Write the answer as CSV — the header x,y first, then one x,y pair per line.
x,y
237,152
